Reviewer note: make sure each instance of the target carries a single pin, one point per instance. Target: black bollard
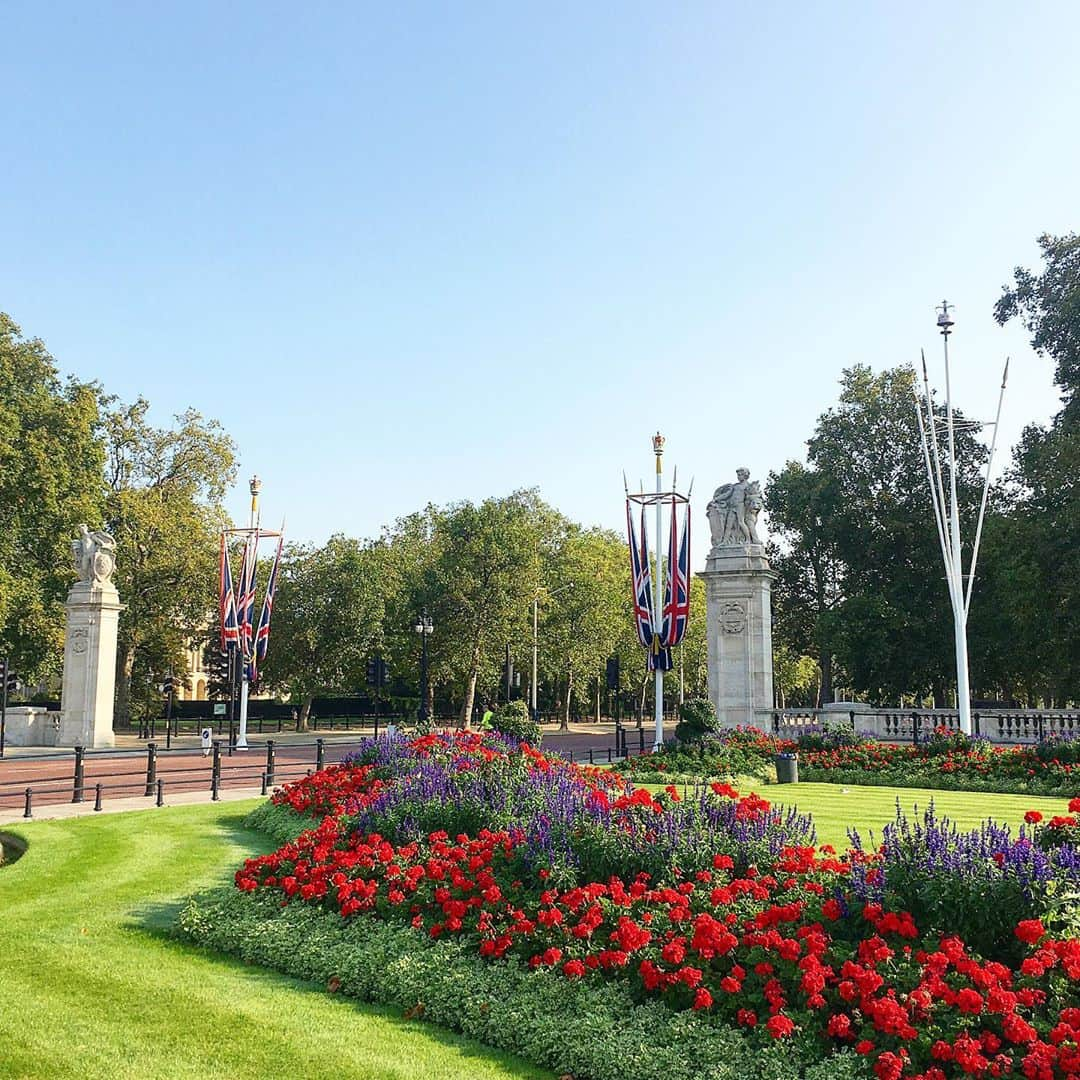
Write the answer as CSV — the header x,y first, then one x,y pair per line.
x,y
151,768
215,772
97,797
77,795
161,792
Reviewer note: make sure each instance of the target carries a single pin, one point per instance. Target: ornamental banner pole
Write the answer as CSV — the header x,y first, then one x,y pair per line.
x,y
254,486
658,593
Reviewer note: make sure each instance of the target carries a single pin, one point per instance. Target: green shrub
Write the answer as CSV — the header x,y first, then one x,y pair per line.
x,y
513,719
944,741
697,719
591,1029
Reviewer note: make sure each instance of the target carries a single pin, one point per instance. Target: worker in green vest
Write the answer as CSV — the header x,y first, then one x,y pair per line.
x,y
487,721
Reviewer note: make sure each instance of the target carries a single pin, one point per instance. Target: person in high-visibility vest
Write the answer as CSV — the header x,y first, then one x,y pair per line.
x,y
487,721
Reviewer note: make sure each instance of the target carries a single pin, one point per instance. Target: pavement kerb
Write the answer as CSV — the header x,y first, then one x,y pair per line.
x,y
55,811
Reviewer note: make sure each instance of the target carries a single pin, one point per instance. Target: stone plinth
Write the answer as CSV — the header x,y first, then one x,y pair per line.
x,y
93,613
738,588
31,725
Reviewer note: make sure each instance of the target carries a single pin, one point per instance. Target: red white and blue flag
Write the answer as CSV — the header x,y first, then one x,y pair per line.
x,y
658,656
677,591
245,600
639,570
262,635
226,600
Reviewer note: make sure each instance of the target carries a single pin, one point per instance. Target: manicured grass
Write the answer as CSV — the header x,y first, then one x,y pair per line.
x,y
837,807
93,987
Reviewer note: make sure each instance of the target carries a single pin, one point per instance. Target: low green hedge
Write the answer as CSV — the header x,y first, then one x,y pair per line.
x,y
590,1029
935,780
280,823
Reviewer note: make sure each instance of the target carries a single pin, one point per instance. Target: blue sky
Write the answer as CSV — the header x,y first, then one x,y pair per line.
x,y
417,253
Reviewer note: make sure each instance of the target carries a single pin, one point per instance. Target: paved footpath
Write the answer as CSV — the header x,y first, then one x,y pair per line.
x,y
186,773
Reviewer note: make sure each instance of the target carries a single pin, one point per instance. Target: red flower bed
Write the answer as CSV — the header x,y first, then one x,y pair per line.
x,y
780,949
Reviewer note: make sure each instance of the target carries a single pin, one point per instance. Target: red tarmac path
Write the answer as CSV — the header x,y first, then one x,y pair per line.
x,y
122,772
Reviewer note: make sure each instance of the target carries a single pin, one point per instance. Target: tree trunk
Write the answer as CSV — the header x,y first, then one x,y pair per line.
x,y
825,693
125,664
470,689
564,720
470,699
305,712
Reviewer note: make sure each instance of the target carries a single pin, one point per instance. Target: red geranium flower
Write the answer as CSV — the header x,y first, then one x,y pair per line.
x,y
1029,931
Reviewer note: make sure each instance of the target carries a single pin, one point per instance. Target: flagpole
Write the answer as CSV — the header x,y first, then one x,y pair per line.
x,y
658,450
254,486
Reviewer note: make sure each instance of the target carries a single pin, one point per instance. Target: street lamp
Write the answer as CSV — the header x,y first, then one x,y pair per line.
x,y
424,627
536,647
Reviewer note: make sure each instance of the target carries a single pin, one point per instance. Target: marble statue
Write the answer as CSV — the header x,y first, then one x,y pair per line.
x,y
733,511
95,556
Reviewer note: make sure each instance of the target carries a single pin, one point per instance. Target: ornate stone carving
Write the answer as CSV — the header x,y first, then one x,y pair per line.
x,y
79,640
95,556
732,617
733,511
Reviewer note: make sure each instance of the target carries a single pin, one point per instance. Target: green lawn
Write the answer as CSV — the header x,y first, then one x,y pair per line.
x,y
836,807
92,987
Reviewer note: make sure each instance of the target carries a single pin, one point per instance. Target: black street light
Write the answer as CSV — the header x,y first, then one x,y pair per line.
x,y
424,627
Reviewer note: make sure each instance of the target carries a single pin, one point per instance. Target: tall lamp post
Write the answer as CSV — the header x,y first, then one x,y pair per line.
x,y
424,627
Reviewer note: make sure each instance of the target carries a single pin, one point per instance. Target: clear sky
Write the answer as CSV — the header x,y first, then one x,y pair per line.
x,y
426,252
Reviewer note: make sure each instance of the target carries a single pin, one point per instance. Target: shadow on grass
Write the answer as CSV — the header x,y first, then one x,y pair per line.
x,y
157,922
12,847
159,919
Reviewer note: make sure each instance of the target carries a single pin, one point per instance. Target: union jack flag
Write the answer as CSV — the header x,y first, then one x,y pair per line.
x,y
227,600
659,658
262,635
677,592
245,600
640,571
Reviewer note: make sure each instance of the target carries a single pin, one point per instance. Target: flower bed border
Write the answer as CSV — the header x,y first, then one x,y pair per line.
x,y
588,1030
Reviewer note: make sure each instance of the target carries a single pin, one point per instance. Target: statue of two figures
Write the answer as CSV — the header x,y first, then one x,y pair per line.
x,y
733,511
95,556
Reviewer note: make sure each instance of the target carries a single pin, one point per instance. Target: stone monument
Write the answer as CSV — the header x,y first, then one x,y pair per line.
x,y
93,613
738,587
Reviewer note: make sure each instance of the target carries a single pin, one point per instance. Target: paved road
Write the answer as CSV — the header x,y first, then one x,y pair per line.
x,y
123,772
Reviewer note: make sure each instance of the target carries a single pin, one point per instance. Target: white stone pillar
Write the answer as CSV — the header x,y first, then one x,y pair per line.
x,y
93,614
738,589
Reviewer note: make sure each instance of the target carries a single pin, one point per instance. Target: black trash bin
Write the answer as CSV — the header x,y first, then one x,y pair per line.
x,y
787,768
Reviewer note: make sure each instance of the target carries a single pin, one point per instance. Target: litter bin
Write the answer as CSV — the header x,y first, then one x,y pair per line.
x,y
787,768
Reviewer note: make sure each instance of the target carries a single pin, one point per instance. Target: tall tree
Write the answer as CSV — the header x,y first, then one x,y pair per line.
x,y
484,580
328,619
585,623
1047,461
859,528
164,506
51,462
808,565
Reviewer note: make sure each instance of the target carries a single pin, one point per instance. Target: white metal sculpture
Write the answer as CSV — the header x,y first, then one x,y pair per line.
x,y
946,510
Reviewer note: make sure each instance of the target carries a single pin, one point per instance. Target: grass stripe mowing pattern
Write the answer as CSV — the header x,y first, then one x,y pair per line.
x,y
93,987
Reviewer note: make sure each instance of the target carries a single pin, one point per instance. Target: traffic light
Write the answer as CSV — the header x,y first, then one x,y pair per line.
x,y
168,686
378,672
613,673
9,680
